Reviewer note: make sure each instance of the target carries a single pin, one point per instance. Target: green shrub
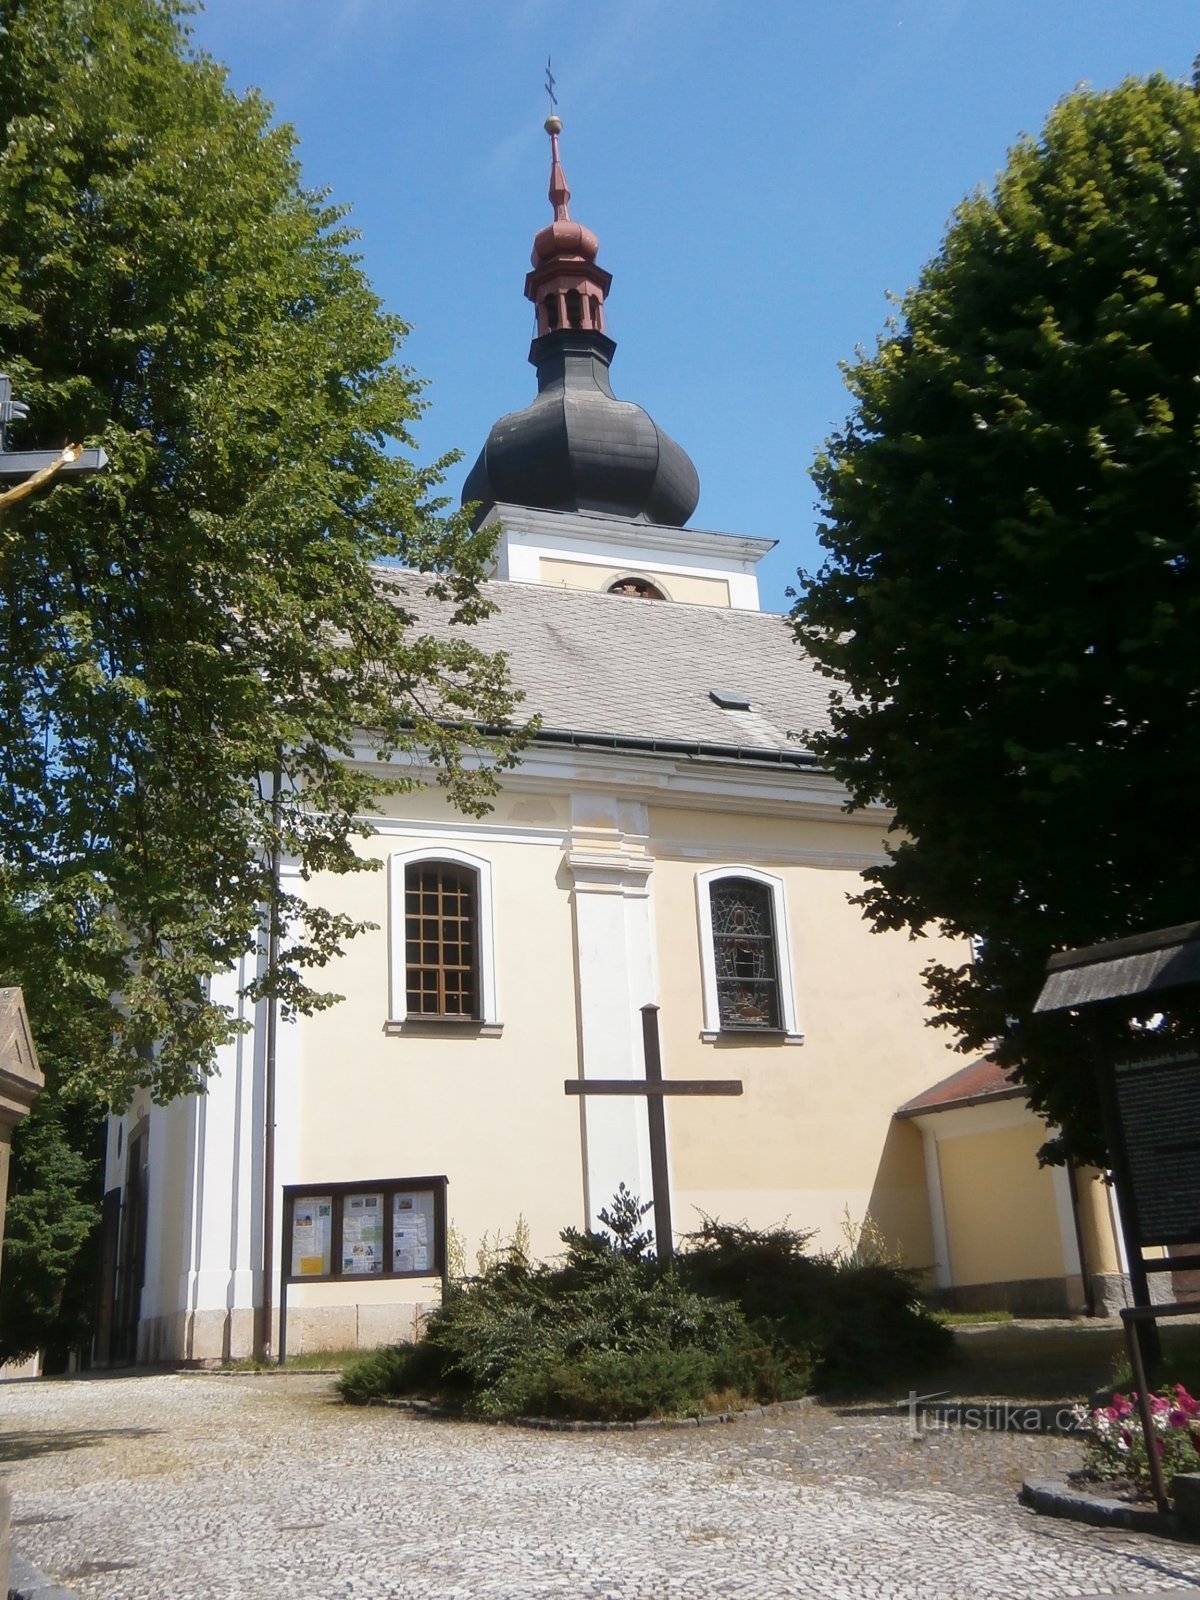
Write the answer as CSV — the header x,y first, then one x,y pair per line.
x,y
864,1324
741,1317
376,1374
605,1335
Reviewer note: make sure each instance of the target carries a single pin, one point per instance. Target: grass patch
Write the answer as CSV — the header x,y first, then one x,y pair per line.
x,y
740,1318
309,1361
970,1319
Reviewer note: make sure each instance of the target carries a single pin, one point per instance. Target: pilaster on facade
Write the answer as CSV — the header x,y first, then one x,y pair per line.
x,y
153,1296
609,868
942,1274
603,865
223,1241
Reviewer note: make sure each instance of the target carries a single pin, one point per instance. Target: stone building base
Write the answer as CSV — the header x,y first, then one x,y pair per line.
x,y
1111,1291
210,1338
1022,1297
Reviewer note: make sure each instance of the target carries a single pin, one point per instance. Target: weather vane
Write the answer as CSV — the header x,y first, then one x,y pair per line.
x,y
550,88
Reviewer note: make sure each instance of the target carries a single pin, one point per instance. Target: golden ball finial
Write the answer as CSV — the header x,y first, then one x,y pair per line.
x,y
553,124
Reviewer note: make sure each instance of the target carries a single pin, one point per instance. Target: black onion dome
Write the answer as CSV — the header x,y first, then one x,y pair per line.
x,y
579,448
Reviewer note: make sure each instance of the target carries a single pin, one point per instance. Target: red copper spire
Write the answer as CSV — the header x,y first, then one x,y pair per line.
x,y
560,195
566,285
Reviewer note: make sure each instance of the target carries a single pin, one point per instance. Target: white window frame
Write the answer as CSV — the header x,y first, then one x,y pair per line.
x,y
712,1029
489,999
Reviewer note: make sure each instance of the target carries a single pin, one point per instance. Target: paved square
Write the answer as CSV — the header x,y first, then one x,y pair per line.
x,y
205,1487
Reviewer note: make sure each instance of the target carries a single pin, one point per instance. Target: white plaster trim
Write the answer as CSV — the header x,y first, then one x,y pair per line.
x,y
619,871
682,782
763,1035
443,1027
612,914
777,854
783,949
990,1116
489,1000
154,1293
942,1274
463,833
574,529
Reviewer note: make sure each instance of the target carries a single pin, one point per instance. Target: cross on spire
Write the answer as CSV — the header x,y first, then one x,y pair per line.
x,y
550,88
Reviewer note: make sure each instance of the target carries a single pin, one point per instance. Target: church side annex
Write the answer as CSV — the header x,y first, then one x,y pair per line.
x,y
667,839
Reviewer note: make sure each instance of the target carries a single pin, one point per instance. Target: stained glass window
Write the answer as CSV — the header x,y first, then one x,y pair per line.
x,y
747,966
441,931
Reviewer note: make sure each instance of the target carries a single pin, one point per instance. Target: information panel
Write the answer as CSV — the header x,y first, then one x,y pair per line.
x,y
362,1234
412,1230
393,1228
312,1235
1159,1104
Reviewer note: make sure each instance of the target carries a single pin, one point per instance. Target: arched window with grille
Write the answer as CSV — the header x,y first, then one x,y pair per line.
x,y
441,940
745,961
442,956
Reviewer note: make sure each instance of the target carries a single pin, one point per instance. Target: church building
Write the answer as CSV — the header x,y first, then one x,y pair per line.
x,y
668,841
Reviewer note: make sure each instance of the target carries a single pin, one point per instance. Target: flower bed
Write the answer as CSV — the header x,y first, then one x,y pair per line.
x,y
1115,1447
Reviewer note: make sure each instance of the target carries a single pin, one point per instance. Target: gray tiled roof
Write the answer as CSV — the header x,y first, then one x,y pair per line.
x,y
601,666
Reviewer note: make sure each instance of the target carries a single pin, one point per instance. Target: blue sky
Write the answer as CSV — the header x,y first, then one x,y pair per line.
x,y
760,175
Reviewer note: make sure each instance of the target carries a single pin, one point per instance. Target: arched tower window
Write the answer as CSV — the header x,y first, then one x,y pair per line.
x,y
639,588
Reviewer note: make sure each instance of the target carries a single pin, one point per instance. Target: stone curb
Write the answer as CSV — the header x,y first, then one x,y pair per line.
x,y
1054,1498
260,1372
427,1408
30,1584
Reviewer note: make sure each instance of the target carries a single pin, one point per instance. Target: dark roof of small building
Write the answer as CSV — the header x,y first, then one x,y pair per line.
x,y
616,670
977,1082
1146,963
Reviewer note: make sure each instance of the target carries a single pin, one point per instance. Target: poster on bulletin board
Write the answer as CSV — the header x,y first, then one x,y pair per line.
x,y
362,1234
312,1235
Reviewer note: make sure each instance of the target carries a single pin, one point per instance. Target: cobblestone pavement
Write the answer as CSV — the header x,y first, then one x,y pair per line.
x,y
203,1487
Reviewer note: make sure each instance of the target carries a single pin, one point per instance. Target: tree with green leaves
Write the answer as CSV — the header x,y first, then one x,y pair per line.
x,y
205,625
1011,598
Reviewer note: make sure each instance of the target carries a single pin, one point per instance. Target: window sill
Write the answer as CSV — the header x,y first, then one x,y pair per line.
x,y
443,1027
774,1036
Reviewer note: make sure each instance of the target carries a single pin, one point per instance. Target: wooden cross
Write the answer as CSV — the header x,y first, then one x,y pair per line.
x,y
654,1086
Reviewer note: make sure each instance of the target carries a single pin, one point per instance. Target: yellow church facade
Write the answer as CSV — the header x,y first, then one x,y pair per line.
x,y
667,840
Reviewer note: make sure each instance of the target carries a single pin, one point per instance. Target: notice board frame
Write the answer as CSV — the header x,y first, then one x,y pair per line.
x,y
338,1193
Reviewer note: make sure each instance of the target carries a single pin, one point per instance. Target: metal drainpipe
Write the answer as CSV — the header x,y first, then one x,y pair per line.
x,y
268,1244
